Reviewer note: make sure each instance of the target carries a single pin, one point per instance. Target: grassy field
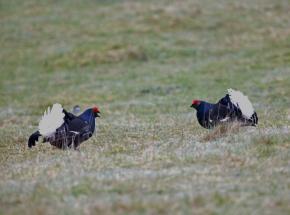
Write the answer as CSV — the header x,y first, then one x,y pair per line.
x,y
142,63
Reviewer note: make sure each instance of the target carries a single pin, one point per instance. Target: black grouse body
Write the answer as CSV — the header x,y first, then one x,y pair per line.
x,y
233,107
70,130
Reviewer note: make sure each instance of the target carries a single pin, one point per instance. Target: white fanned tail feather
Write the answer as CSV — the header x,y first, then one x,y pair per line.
x,y
51,120
242,102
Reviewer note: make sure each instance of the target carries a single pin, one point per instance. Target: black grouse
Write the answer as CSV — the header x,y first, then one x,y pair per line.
x,y
63,129
235,106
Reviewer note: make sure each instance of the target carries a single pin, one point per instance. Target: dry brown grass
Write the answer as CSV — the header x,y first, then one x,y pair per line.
x,y
221,131
116,53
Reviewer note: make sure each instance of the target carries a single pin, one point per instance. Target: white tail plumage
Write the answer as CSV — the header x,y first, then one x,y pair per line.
x,y
241,101
51,120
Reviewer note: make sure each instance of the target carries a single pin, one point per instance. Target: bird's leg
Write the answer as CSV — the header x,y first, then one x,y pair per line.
x,y
75,139
64,144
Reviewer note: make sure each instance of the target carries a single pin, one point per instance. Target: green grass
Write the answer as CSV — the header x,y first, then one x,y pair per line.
x,y
142,62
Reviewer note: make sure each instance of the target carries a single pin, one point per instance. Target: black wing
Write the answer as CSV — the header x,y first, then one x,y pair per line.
x,y
81,129
215,114
220,113
68,116
226,101
236,113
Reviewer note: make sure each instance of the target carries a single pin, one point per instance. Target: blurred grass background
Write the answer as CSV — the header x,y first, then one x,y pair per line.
x,y
142,62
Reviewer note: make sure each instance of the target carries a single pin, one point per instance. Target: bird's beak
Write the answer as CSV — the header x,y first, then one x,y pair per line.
x,y
192,106
97,114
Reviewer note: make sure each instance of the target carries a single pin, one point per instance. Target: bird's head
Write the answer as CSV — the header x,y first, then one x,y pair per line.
x,y
96,111
195,103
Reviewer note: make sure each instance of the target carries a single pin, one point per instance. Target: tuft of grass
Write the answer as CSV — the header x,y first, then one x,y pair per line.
x,y
81,189
268,144
83,58
221,131
272,139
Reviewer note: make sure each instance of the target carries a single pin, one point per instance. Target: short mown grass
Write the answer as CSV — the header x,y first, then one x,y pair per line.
x,y
142,63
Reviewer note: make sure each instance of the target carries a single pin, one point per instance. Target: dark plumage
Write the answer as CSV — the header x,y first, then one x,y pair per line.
x,y
73,130
233,107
